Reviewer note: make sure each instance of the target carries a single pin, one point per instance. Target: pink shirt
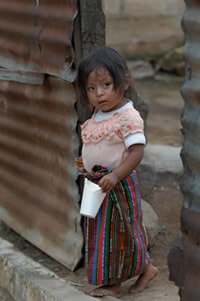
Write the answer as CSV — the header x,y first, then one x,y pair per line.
x,y
107,136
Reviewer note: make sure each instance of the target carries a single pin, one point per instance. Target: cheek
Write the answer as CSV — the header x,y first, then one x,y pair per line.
x,y
89,96
116,94
91,99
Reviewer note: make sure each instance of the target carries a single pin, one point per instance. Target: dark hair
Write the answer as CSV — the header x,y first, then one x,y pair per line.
x,y
109,59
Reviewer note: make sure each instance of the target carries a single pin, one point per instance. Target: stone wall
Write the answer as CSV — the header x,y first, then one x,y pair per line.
x,y
144,29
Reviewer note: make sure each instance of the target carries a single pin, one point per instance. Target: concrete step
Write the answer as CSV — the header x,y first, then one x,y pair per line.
x,y
164,158
161,166
27,280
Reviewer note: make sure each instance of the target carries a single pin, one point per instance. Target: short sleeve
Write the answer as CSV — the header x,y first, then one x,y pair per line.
x,y
130,122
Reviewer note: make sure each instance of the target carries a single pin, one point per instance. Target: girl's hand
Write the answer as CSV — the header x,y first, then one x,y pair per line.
x,y
108,182
135,155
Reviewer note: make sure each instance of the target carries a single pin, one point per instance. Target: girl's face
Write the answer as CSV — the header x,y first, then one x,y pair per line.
x,y
101,93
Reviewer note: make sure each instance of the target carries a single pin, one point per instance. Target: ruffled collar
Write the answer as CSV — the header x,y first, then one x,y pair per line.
x,y
119,123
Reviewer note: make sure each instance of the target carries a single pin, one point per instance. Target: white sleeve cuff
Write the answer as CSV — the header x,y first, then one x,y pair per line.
x,y
136,138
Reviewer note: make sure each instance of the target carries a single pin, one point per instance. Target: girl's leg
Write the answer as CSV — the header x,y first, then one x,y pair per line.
x,y
150,272
107,290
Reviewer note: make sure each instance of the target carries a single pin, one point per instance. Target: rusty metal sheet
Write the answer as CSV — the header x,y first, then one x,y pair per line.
x,y
38,192
37,35
22,76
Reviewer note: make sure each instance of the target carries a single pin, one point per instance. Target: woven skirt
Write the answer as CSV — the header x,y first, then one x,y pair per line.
x,y
115,241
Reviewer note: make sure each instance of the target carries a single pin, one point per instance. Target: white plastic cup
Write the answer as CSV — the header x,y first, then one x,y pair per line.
x,y
92,199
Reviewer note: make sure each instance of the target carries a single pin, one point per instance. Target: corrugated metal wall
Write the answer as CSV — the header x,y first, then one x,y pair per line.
x,y
36,35
190,185
186,273
38,193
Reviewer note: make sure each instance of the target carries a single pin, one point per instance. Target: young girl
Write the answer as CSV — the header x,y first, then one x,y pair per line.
x,y
113,141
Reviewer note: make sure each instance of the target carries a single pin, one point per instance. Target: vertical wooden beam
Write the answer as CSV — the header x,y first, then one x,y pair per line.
x,y
89,34
92,21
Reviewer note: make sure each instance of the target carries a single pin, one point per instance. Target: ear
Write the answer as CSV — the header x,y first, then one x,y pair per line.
x,y
127,82
126,86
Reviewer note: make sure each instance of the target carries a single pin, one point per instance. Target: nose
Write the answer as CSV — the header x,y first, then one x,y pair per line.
x,y
99,91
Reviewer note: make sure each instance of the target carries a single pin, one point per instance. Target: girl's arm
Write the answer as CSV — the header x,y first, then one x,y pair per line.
x,y
133,159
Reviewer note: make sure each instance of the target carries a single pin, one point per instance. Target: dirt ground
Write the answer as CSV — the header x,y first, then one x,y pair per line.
x,y
163,127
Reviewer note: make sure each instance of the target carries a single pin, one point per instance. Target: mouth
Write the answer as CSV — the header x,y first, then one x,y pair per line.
x,y
103,105
102,102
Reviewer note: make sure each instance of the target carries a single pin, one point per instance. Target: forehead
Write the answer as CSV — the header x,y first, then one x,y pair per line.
x,y
99,75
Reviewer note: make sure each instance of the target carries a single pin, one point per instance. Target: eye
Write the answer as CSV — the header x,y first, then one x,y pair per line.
x,y
106,85
90,88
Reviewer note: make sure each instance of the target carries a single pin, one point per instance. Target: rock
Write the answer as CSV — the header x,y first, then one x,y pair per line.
x,y
161,164
5,295
147,176
150,220
141,69
164,158
172,62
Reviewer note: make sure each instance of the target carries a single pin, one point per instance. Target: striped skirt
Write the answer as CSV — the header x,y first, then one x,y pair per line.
x,y
115,241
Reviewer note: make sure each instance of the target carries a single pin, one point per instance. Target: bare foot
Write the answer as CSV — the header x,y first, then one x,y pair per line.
x,y
107,290
141,283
